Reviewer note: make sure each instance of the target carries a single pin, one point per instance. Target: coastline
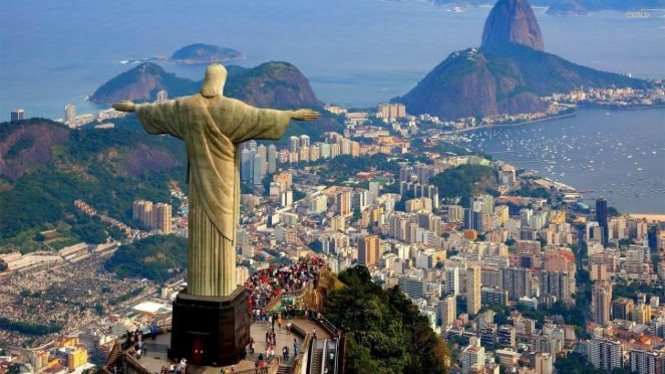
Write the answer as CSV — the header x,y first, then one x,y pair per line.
x,y
620,108
649,217
515,124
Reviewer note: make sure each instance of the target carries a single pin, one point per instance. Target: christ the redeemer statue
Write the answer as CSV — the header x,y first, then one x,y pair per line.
x,y
212,127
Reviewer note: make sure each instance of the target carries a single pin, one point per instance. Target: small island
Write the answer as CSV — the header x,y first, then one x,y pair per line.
x,y
199,53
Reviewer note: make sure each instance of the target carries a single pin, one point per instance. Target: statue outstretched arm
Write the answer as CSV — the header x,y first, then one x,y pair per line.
x,y
305,115
265,124
156,118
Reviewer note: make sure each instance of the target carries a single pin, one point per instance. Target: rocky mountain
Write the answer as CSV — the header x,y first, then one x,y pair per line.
x,y
512,21
272,84
205,54
509,74
27,146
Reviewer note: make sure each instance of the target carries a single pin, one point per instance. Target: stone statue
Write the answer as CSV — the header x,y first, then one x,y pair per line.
x,y
212,127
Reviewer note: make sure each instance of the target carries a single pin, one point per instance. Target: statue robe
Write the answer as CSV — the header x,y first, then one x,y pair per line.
x,y
212,129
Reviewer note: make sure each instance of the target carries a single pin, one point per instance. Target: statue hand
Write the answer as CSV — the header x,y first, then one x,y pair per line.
x,y
124,106
305,115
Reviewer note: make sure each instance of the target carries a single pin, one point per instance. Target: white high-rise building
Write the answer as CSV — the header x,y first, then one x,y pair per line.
x,y
246,160
17,114
448,310
294,144
263,153
544,363
162,96
373,192
256,169
272,159
304,141
473,356
70,114
318,204
605,354
646,362
452,281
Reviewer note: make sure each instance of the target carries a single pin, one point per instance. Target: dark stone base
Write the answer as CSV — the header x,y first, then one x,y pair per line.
x,y
210,331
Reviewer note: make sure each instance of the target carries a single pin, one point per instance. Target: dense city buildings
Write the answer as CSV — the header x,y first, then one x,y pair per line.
x,y
514,274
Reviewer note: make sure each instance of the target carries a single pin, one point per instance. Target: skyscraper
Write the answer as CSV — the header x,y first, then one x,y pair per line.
x,y
373,192
256,168
264,160
162,95
272,158
162,217
245,165
452,281
70,114
473,295
448,310
601,299
17,115
601,217
517,281
142,211
605,354
368,250
304,141
344,203
294,143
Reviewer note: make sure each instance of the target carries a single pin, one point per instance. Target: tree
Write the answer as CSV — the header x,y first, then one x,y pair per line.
x,y
385,330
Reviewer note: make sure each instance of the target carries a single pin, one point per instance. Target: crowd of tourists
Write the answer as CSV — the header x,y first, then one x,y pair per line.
x,y
268,283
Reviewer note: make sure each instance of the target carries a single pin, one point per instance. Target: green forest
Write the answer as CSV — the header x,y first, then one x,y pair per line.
x,y
464,181
105,168
385,331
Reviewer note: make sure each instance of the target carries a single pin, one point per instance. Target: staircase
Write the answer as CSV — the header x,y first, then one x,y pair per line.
x,y
284,369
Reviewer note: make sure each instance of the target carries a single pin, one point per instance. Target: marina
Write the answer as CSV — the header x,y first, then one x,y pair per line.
x,y
592,151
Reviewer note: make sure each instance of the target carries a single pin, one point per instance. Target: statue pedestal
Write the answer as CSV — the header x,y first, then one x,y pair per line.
x,y
210,331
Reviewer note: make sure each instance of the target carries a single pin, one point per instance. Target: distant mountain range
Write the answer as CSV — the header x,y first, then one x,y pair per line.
x,y
272,84
508,74
580,5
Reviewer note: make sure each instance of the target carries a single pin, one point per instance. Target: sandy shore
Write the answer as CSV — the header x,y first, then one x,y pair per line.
x,y
649,217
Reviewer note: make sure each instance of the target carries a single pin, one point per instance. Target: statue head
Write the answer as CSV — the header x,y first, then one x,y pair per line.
x,y
213,84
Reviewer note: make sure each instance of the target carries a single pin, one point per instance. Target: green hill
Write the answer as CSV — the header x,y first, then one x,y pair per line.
x,y
271,84
108,169
464,181
200,53
384,329
156,257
